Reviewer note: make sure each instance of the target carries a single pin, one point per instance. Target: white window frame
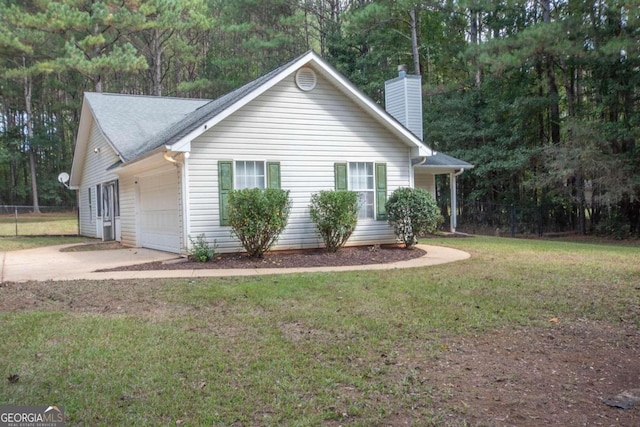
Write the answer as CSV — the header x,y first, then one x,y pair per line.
x,y
358,181
241,178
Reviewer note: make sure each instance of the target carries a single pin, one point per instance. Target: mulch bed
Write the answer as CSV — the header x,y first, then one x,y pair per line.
x,y
359,255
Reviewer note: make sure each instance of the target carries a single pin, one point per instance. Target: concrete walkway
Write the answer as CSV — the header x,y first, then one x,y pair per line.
x,y
49,263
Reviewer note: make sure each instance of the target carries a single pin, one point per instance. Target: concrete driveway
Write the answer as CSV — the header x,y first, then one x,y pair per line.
x,y
49,263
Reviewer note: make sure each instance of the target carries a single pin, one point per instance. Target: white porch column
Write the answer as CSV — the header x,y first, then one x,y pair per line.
x,y
186,201
454,205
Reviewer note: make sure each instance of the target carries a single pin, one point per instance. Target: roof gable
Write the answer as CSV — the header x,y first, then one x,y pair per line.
x,y
137,125
223,107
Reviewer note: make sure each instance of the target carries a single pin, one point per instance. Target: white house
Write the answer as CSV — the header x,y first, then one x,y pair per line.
x,y
154,171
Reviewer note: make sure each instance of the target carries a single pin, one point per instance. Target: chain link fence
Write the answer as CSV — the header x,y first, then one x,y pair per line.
x,y
50,221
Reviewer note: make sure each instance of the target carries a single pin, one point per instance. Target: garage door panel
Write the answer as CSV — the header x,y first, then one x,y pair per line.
x,y
160,212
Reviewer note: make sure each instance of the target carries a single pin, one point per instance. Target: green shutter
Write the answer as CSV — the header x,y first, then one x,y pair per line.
x,y
273,175
340,175
381,191
225,185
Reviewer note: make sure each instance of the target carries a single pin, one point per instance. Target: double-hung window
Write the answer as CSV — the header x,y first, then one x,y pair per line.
x,y
241,174
370,181
250,174
361,180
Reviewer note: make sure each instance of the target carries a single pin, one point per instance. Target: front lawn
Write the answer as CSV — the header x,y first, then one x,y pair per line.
x,y
525,328
30,242
45,224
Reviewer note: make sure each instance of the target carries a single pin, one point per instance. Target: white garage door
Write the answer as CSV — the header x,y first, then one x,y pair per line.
x,y
160,212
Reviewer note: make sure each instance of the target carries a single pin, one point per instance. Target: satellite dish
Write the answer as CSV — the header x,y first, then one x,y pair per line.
x,y
63,178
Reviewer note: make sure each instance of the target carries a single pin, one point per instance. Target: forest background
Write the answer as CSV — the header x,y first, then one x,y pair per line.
x,y
541,96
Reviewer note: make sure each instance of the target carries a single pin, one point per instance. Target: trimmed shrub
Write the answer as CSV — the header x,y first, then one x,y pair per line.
x,y
412,212
201,250
258,217
335,214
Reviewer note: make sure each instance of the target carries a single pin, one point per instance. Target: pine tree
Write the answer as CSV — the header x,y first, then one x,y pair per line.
x,y
94,32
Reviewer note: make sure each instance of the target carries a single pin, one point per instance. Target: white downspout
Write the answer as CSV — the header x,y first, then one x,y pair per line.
x,y
454,203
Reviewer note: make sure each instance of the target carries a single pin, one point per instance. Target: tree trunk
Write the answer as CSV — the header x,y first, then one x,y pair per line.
x,y
475,40
28,86
554,109
414,42
157,63
97,79
13,167
568,76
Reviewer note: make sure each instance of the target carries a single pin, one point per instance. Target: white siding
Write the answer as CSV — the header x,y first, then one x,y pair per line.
x,y
403,100
425,181
99,157
159,211
128,210
307,132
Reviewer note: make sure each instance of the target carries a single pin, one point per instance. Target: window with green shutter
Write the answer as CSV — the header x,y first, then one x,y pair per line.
x,y
370,181
225,185
248,174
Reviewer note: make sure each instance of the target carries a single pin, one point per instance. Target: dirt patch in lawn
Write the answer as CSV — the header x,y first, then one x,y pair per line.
x,y
357,255
531,377
555,375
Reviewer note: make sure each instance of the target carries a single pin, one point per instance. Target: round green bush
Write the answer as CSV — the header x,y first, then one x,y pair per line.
x,y
335,214
258,217
412,212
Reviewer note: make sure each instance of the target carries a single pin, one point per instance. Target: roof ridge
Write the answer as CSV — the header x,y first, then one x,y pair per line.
x,y
132,95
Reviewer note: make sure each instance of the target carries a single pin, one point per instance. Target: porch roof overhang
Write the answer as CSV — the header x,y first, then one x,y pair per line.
x,y
441,163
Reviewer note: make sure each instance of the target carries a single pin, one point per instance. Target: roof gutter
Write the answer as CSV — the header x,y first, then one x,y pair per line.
x,y
170,158
421,160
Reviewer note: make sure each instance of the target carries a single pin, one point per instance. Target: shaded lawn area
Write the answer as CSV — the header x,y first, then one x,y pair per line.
x,y
524,333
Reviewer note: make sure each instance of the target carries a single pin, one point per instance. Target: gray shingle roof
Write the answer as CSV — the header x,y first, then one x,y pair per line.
x,y
444,160
136,125
131,123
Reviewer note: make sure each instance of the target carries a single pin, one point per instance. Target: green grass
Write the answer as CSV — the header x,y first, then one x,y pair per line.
x,y
60,223
29,242
303,349
38,230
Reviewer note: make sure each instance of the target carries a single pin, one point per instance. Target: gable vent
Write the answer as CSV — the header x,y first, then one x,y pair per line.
x,y
306,79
